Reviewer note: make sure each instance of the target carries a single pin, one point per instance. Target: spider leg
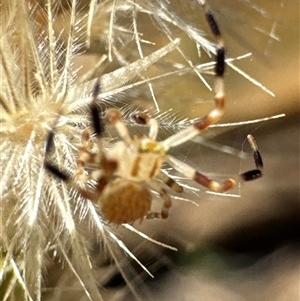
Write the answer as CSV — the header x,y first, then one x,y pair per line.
x,y
55,170
47,164
107,166
84,150
97,125
114,118
167,201
143,118
201,179
256,155
254,173
102,179
170,182
85,156
214,115
93,196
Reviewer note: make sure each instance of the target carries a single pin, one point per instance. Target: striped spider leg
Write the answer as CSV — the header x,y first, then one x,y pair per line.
x,y
254,173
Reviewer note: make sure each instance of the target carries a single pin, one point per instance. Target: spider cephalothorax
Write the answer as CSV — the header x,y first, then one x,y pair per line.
x,y
127,172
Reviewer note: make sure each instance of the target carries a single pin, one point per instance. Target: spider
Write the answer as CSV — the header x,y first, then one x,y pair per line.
x,y
126,173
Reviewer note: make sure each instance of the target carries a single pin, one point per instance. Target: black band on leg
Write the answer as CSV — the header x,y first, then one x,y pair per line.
x,y
97,89
49,143
96,121
95,113
251,175
213,24
258,159
55,171
220,62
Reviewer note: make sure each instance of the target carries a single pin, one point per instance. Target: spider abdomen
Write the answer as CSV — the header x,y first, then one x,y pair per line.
x,y
124,201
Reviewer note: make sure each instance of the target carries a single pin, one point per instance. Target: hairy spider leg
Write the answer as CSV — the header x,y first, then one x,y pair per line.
x,y
185,169
85,155
254,173
106,168
49,165
114,118
256,155
170,182
198,177
167,201
214,115
56,171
